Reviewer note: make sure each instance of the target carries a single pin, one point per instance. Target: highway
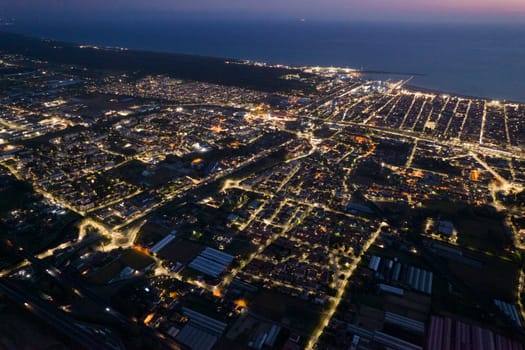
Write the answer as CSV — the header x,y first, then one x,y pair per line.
x,y
57,319
81,290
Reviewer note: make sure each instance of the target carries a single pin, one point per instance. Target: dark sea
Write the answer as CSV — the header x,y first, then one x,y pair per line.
x,y
468,59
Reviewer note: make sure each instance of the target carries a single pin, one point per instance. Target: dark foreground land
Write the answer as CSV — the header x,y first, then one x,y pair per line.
x,y
197,68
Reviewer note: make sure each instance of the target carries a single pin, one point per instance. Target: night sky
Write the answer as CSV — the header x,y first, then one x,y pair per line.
x,y
309,9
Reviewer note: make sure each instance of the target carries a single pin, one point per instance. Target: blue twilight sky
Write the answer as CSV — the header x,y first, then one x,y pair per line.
x,y
416,10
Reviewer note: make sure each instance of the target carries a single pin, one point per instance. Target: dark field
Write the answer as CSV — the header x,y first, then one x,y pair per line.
x,y
496,278
300,315
181,250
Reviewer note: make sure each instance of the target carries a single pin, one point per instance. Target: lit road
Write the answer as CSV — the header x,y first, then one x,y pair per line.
x,y
521,289
327,316
214,178
323,112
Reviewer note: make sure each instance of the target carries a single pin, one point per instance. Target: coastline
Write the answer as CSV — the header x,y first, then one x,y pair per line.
x,y
224,61
417,88
181,66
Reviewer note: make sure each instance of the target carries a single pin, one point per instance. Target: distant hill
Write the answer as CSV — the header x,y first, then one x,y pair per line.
x,y
189,67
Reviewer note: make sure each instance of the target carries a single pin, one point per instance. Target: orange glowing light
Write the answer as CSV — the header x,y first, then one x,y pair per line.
x,y
141,249
474,175
418,173
217,129
360,139
241,303
148,318
235,144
